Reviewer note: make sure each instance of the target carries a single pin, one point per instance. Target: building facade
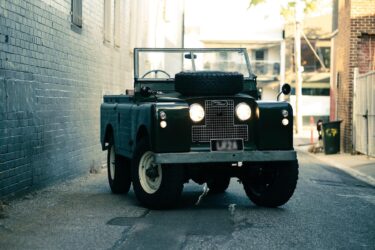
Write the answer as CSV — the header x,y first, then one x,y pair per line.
x,y
57,59
259,29
354,47
315,60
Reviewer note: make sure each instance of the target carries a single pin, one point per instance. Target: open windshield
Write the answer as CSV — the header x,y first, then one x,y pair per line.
x,y
163,64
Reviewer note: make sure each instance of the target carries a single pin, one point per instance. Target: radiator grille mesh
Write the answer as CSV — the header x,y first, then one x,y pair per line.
x,y
219,123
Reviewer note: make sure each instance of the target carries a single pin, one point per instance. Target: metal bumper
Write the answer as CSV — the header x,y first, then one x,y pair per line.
x,y
207,157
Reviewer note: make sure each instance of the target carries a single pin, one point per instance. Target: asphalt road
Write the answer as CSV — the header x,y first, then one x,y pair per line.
x,y
329,210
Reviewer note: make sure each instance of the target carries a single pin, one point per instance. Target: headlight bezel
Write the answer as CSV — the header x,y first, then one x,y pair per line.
x,y
196,112
243,111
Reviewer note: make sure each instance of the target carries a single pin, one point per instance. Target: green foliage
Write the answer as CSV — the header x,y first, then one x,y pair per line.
x,y
287,9
255,2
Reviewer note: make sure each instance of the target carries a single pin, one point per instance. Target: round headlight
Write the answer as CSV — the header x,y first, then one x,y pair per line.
x,y
196,112
285,122
243,111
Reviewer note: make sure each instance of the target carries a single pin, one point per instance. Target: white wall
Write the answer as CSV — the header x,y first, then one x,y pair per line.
x,y
313,105
228,20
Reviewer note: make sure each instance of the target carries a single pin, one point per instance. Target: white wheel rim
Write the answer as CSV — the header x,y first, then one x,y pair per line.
x,y
149,185
112,163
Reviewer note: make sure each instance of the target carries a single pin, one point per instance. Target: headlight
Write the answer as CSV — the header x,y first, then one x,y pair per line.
x,y
285,122
196,112
162,115
243,111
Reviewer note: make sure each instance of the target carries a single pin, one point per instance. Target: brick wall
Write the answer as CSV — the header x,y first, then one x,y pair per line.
x,y
52,77
356,22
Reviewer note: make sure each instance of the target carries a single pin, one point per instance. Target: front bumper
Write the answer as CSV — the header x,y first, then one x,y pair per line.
x,y
243,156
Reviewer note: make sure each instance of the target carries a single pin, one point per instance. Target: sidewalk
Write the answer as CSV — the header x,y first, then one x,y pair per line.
x,y
358,166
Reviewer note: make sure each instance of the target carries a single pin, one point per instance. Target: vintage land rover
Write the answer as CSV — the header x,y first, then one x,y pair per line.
x,y
195,114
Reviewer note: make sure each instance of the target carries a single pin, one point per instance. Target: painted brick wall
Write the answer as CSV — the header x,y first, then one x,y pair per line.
x,y
52,78
356,23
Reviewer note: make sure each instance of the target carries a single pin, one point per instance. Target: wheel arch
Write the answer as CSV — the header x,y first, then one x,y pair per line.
x,y
142,133
108,135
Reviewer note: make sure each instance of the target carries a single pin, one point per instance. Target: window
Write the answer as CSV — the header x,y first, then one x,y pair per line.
x,y
117,23
313,91
259,55
325,54
108,19
112,22
76,12
260,66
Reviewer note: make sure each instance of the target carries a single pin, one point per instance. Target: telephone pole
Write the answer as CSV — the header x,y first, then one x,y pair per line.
x,y
299,9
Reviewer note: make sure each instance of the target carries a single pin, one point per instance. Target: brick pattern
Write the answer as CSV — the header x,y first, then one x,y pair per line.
x,y
356,22
52,78
366,53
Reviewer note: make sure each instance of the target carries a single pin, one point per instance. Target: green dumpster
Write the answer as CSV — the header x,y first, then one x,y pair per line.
x,y
331,137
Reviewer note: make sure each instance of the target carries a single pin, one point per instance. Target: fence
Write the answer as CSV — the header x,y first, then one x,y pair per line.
x,y
364,113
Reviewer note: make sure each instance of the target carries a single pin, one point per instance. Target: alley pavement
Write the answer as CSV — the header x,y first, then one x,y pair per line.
x,y
329,210
357,165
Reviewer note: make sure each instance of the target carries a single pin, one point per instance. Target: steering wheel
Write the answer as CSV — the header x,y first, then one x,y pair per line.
x,y
156,73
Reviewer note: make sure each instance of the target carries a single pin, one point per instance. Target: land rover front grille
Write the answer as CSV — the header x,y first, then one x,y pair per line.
x,y
219,123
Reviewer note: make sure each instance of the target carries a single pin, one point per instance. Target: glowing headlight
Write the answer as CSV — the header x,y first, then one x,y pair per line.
x,y
196,112
243,111
163,124
285,122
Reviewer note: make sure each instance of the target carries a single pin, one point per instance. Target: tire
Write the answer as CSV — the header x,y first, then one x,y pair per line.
x,y
162,189
271,186
218,184
118,169
208,83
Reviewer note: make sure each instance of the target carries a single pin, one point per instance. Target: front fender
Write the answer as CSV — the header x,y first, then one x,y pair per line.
x,y
271,134
176,136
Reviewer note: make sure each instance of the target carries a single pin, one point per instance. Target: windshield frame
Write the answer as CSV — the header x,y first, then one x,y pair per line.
x,y
186,50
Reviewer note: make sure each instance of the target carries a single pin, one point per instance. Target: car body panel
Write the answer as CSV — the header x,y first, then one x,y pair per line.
x,y
132,117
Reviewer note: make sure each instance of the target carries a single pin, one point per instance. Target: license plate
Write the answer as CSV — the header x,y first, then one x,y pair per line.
x,y
227,145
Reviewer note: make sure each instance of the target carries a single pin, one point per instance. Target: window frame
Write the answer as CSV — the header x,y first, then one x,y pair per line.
x,y
112,22
76,13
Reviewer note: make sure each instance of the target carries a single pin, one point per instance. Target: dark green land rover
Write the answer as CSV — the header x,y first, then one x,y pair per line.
x,y
195,114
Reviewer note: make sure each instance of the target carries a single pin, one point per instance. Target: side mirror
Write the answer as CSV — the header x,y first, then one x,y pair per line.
x,y
285,89
190,56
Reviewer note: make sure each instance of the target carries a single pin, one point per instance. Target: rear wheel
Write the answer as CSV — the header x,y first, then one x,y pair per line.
x,y
155,185
271,186
118,171
218,184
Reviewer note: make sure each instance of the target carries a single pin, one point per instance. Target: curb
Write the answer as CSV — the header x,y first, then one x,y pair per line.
x,y
354,173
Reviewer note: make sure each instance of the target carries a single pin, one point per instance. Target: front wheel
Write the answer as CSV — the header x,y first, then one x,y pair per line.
x,y
156,186
271,186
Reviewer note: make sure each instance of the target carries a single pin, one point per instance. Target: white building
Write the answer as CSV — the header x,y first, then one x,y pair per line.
x,y
226,23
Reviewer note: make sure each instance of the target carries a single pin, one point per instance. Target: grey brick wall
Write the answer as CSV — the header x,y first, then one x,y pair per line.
x,y
52,78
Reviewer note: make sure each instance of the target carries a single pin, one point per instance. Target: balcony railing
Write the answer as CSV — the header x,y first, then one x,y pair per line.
x,y
265,68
